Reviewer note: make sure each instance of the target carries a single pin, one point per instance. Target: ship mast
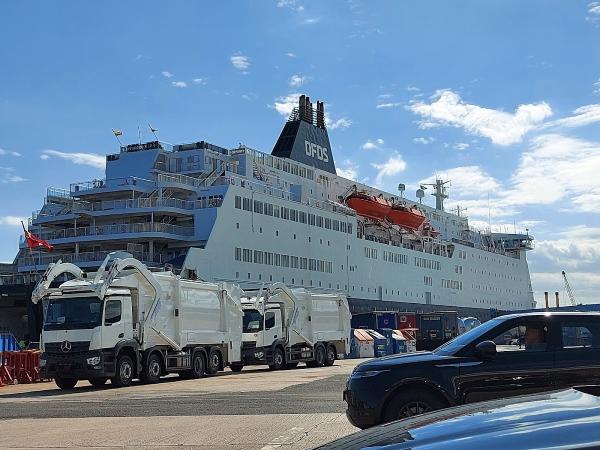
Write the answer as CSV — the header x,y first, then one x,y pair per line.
x,y
440,192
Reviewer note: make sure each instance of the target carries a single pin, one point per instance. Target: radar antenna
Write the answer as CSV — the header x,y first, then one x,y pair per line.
x,y
440,192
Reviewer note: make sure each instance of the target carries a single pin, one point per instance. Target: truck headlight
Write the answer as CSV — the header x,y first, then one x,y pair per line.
x,y
93,361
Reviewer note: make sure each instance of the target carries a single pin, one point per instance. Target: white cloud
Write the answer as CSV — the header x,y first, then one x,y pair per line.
x,y
461,146
6,152
466,181
240,62
423,140
582,116
388,105
284,105
500,127
297,80
556,168
597,87
593,12
311,20
7,175
413,89
199,80
393,166
349,170
13,221
290,55
371,145
86,159
585,286
342,123
294,5
167,74
575,247
179,84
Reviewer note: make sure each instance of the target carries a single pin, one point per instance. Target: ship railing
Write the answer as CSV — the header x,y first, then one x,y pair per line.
x,y
257,186
101,230
179,179
111,183
17,279
83,257
137,203
58,193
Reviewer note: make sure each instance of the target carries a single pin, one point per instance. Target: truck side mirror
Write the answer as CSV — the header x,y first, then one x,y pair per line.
x,y
485,350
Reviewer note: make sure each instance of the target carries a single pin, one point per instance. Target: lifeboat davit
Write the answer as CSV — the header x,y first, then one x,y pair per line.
x,y
428,230
406,216
366,205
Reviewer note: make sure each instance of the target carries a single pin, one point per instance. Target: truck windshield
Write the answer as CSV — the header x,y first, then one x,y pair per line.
x,y
73,313
253,321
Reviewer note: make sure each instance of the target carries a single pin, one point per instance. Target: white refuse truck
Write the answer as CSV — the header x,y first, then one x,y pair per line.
x,y
283,327
125,322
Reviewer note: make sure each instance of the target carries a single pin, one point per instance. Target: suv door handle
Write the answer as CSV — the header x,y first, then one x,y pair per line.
x,y
121,335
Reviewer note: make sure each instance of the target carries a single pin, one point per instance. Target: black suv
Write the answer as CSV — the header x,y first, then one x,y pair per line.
x,y
511,355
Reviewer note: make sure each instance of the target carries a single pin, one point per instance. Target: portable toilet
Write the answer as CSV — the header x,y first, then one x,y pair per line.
x,y
364,344
389,340
379,343
399,342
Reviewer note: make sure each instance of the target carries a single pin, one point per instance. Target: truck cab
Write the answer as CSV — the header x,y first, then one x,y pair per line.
x,y
82,334
262,331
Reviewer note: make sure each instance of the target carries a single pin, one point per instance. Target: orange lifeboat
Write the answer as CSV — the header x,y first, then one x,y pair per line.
x,y
406,216
366,205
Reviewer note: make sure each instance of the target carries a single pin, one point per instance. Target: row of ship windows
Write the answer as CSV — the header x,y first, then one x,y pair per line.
x,y
496,275
286,166
496,260
494,289
276,259
294,215
399,258
452,284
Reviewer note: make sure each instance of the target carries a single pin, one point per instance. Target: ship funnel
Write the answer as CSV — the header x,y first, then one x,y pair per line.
x,y
304,137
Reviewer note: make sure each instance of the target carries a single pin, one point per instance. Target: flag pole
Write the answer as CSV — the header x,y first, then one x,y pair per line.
x,y
35,272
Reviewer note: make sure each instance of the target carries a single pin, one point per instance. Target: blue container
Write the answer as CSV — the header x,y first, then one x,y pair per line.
x,y
380,343
399,344
389,340
375,320
9,343
353,346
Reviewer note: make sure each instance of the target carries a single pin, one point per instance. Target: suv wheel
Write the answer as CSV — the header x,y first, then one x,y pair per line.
x,y
411,403
65,383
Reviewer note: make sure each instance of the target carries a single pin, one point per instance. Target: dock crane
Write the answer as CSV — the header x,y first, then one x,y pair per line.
x,y
568,288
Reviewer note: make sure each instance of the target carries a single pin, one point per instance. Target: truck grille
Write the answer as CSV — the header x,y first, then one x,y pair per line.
x,y
248,345
56,348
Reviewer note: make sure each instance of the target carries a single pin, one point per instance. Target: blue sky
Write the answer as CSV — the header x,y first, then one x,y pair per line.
x,y
501,97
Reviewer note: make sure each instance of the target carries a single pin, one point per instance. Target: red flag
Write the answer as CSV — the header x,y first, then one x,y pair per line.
x,y
35,242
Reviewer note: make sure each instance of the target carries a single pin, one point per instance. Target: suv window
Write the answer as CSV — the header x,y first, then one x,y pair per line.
x,y
580,335
522,337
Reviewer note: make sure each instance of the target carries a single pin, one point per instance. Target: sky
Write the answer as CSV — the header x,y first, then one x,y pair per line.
x,y
502,97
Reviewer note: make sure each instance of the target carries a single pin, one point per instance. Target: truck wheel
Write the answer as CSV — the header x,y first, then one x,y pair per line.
x,y
320,356
98,382
278,360
124,372
198,366
236,367
214,362
331,355
152,370
66,383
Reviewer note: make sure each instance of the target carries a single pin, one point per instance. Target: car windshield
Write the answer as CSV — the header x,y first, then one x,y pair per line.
x,y
73,313
451,347
253,321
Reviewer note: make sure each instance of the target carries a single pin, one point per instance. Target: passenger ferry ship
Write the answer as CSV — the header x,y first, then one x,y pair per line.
x,y
251,217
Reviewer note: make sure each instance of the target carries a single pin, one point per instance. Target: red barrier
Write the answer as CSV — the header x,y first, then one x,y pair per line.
x,y
20,367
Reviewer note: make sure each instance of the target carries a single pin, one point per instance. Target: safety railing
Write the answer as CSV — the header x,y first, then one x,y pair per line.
x,y
83,257
101,230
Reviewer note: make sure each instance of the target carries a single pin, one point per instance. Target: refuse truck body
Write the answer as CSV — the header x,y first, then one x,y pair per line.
x,y
125,322
283,327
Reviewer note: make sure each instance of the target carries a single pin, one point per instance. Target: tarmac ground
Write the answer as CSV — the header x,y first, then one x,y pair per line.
x,y
255,409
